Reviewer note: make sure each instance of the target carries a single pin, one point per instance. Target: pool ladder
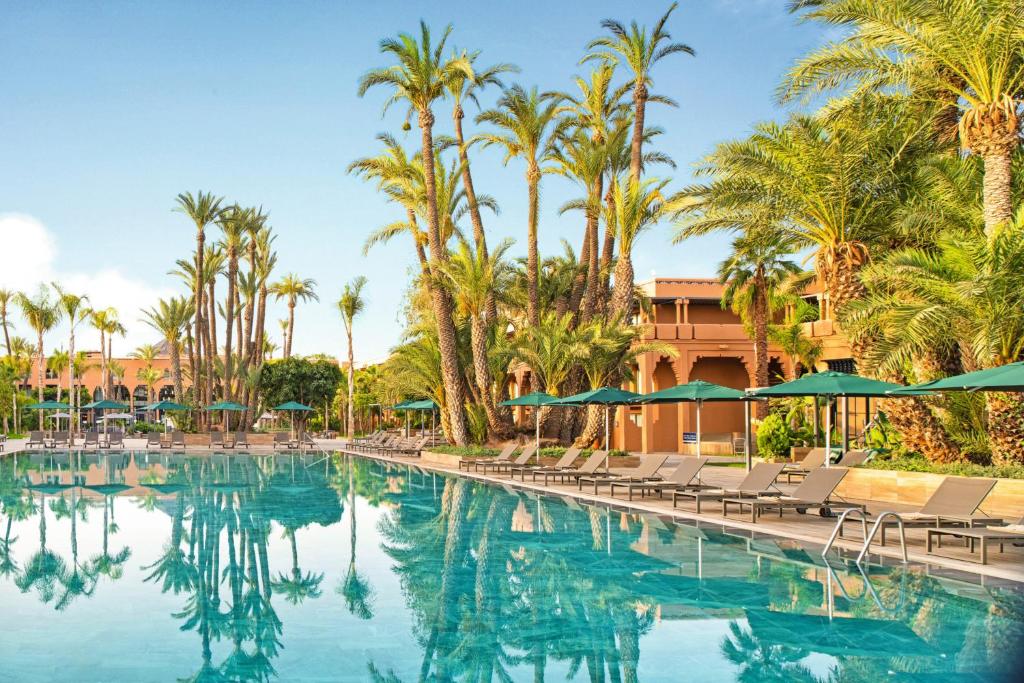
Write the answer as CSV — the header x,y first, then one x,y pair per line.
x,y
868,537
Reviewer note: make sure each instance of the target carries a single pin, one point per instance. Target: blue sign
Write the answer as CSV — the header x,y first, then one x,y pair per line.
x,y
689,437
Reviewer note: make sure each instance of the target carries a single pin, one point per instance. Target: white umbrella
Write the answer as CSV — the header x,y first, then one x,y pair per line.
x,y
118,416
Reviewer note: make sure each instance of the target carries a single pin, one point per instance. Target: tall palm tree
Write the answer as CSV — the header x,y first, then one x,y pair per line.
x,y
58,363
963,59
292,288
234,226
476,279
638,51
527,128
350,305
75,308
638,206
42,315
419,78
203,208
6,297
754,275
170,317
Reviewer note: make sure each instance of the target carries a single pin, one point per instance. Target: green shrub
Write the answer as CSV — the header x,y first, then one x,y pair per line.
x,y
911,462
773,438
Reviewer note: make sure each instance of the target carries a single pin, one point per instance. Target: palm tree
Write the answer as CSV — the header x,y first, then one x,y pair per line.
x,y
234,225
75,307
203,208
58,363
526,123
476,279
638,51
962,59
419,78
292,288
789,336
638,206
754,275
964,293
170,317
42,315
350,305
6,297
551,349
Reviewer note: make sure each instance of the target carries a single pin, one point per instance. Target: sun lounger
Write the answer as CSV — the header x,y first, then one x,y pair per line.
x,y
283,440
242,439
854,458
564,463
115,439
503,456
588,467
954,504
61,439
681,478
177,439
92,438
216,440
153,440
814,459
36,439
981,536
814,493
412,447
760,481
647,470
519,461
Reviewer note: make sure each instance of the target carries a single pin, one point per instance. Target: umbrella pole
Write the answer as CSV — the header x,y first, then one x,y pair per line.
x,y
828,431
846,423
607,439
536,424
699,404
747,455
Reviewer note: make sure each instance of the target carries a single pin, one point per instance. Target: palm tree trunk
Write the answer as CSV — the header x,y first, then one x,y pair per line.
x,y
622,294
229,321
174,349
593,273
1006,427
103,364
202,340
608,250
211,328
190,350
291,330
760,343
72,396
350,430
532,257
479,236
250,309
484,381
579,294
639,112
441,302
40,373
997,184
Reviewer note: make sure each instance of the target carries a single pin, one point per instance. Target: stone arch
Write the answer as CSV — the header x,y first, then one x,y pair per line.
x,y
727,416
665,432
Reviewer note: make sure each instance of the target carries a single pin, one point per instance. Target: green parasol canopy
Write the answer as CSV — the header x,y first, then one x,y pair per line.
x,y
225,405
50,405
829,383
534,400
166,488
1008,377
403,405
605,396
51,489
165,405
292,405
105,405
108,489
697,390
425,404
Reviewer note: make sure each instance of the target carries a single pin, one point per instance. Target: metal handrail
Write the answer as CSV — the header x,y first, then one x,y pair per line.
x,y
874,530
839,527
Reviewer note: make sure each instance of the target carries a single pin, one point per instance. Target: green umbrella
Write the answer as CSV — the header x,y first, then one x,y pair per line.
x,y
165,405
1008,377
425,404
830,385
226,406
533,400
697,391
292,407
604,396
51,405
105,405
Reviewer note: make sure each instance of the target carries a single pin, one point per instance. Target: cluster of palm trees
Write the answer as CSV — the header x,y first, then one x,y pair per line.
x,y
895,176
900,185
569,315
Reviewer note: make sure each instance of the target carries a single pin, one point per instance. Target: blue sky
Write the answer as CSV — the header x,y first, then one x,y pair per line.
x,y
109,109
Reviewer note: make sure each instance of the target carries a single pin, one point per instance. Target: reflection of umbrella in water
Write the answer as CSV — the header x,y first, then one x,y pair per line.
x,y
51,489
166,489
108,489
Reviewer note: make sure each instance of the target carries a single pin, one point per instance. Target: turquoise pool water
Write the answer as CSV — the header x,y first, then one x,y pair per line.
x,y
128,567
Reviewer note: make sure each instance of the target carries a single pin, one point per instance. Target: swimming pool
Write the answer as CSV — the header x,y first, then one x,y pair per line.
x,y
166,567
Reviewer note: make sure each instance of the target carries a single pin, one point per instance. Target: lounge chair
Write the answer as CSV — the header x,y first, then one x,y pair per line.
x,y
588,468
242,439
564,463
177,439
412,447
284,440
814,459
760,481
814,493
854,458
152,439
305,439
982,536
36,439
62,439
92,438
519,461
115,439
216,440
954,504
503,456
646,471
681,478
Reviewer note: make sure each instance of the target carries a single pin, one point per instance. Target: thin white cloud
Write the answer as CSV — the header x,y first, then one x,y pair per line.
x,y
28,254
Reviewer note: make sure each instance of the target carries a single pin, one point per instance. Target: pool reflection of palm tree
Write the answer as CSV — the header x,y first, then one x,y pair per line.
x,y
356,590
297,586
759,661
174,569
45,570
105,564
82,579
